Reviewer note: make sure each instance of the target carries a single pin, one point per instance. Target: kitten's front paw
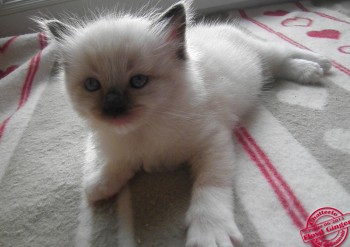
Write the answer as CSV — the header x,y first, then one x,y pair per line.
x,y
203,233
97,189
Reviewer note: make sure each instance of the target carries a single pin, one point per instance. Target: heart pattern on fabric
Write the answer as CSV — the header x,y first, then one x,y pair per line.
x,y
7,71
338,139
344,49
297,22
309,97
276,13
326,33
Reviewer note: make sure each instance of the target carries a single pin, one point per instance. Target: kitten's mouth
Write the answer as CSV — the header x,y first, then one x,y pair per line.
x,y
124,119
120,120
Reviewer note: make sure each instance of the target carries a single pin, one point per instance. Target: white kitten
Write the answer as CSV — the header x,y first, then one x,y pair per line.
x,y
158,91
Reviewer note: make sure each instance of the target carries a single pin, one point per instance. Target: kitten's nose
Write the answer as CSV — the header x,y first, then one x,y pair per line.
x,y
115,104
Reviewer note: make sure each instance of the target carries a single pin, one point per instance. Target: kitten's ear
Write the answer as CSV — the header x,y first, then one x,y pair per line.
x,y
175,28
57,29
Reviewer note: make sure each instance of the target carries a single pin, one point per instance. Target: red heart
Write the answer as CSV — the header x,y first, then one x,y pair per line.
x,y
7,71
276,13
297,21
326,33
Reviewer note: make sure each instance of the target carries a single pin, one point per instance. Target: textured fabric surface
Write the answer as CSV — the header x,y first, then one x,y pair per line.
x,y
293,151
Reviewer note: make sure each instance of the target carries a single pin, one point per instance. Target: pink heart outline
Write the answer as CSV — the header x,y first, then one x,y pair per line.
x,y
325,33
278,12
287,22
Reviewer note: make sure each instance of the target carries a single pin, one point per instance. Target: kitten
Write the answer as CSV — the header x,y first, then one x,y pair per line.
x,y
157,91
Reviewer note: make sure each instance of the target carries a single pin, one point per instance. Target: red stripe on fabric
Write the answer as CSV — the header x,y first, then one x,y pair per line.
x,y
34,64
289,40
7,44
26,89
269,179
303,8
26,82
282,36
341,67
274,171
32,71
42,40
24,93
3,125
30,83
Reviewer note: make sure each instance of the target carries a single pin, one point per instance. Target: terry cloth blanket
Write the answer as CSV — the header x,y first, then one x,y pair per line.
x,y
293,152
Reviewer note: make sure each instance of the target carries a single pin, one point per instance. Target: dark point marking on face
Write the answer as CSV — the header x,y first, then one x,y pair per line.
x,y
115,104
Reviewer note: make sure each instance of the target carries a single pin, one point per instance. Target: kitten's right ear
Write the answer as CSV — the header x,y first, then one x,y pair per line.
x,y
57,29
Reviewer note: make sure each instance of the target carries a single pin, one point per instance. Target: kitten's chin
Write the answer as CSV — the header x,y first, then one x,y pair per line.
x,y
120,121
122,124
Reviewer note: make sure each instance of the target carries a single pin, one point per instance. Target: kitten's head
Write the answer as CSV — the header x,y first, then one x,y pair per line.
x,y
121,71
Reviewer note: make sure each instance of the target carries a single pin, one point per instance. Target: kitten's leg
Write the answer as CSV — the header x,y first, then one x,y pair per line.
x,y
324,62
210,216
300,70
107,181
301,65
292,63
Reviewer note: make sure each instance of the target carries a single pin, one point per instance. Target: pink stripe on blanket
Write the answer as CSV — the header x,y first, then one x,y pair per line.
x,y
277,175
42,40
289,40
27,86
7,44
26,89
3,125
34,64
303,8
259,161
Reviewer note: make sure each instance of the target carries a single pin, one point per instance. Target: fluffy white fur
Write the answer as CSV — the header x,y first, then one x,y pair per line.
x,y
187,110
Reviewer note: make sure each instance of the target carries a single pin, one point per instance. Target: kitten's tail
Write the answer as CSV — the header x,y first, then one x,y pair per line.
x,y
125,215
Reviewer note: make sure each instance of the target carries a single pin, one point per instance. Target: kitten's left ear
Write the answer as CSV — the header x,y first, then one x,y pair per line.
x,y
175,19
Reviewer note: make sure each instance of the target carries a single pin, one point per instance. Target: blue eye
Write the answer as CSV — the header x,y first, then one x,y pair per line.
x,y
138,81
92,84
